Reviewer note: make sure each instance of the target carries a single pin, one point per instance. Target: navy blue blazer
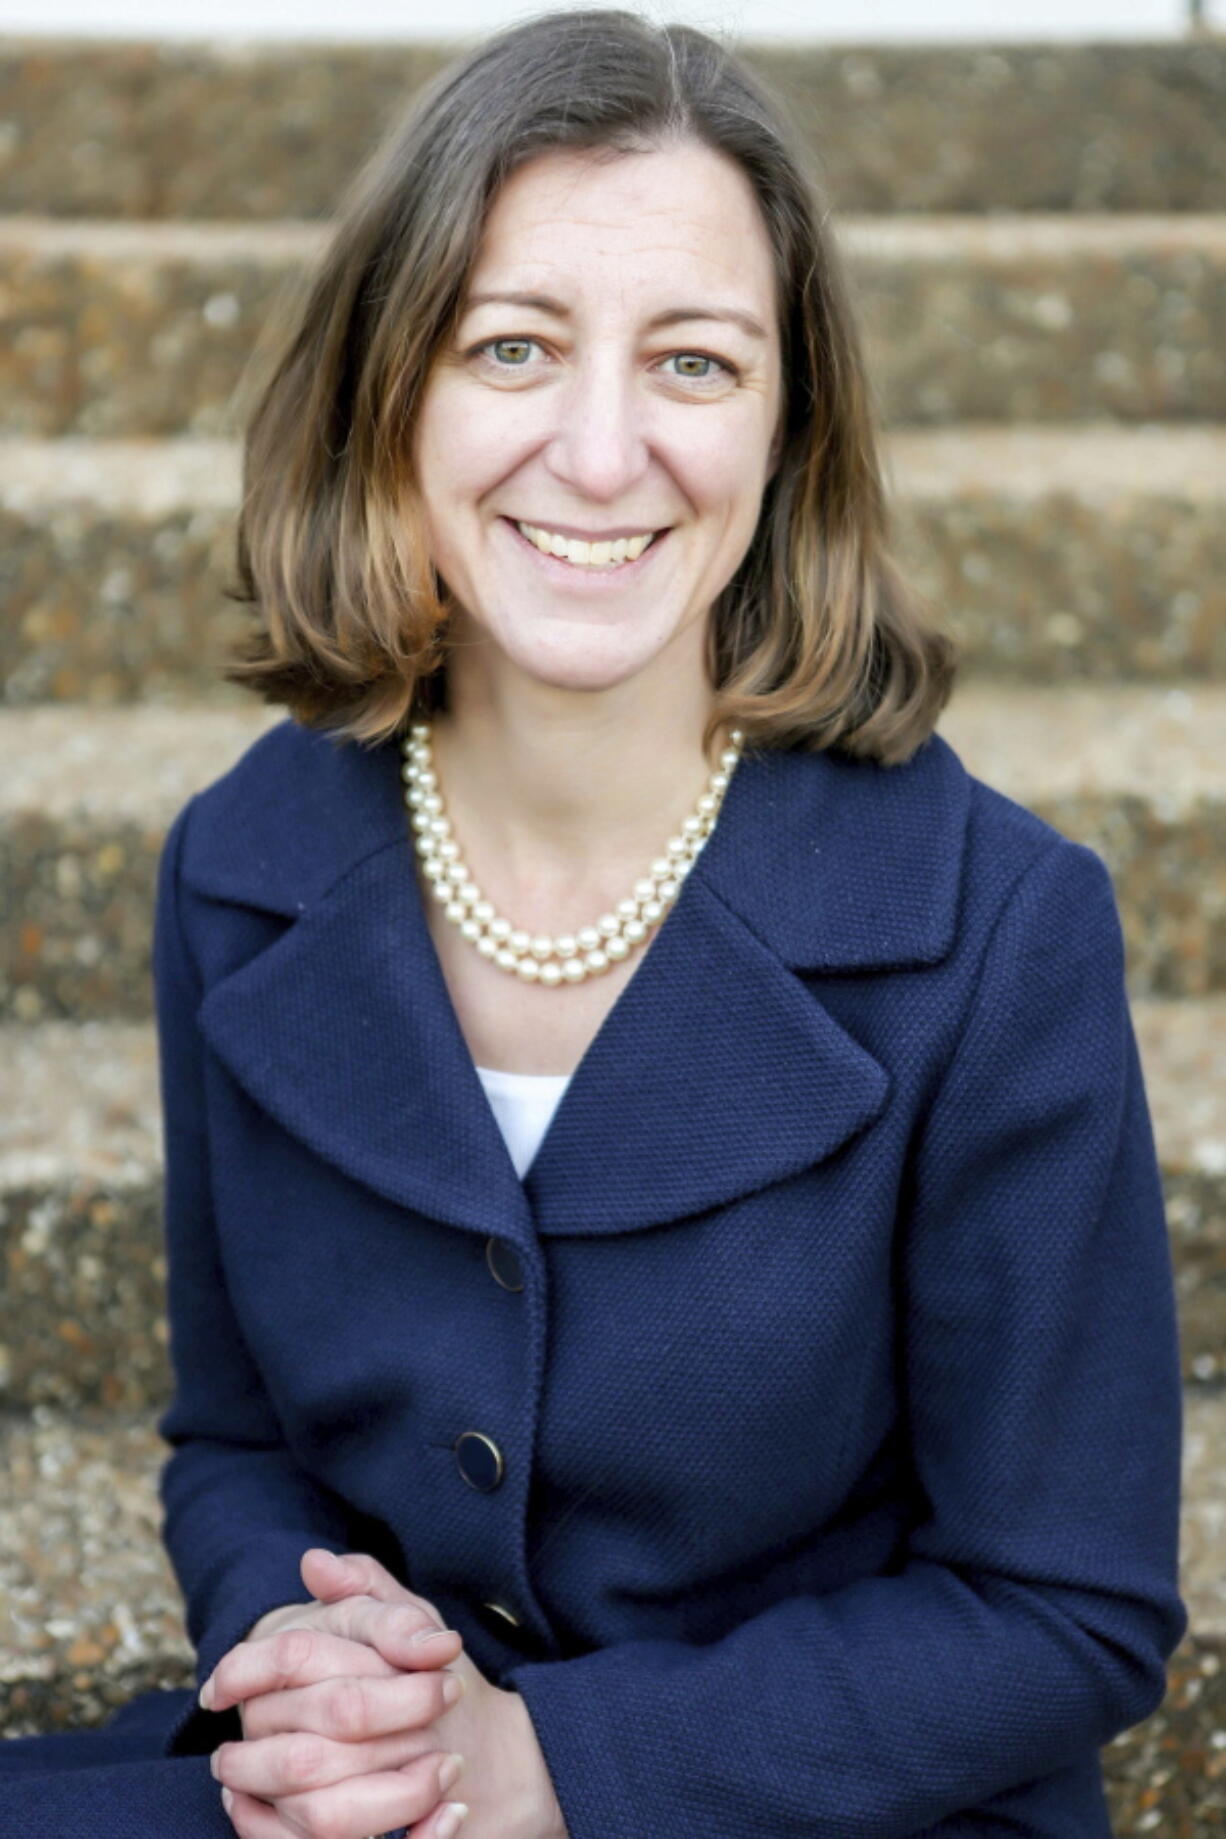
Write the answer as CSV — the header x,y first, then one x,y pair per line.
x,y
801,1436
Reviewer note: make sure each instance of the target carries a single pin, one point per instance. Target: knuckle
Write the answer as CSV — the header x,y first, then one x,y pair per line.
x,y
327,1819
306,1757
292,1649
346,1707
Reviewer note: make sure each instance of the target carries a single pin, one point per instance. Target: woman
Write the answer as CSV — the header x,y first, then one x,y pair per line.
x,y
659,1179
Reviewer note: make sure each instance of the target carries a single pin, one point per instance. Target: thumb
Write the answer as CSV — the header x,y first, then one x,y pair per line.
x,y
332,1578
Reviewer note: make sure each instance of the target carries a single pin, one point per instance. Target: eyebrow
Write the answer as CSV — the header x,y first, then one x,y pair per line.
x,y
545,303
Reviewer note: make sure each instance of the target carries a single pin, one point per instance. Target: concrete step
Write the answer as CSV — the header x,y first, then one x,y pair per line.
x,y
78,1639
82,1316
115,329
1085,551
251,130
86,795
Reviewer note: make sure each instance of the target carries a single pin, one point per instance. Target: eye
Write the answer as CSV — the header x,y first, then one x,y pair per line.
x,y
700,357
480,351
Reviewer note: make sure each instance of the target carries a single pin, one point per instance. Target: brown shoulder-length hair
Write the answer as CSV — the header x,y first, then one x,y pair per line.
x,y
818,640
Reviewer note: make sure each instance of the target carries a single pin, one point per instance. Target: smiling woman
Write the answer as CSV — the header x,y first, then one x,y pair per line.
x,y
696,1243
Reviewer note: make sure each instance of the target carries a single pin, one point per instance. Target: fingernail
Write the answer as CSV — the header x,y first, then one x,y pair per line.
x,y
452,1688
227,1799
449,1768
214,1767
206,1693
427,1634
448,1821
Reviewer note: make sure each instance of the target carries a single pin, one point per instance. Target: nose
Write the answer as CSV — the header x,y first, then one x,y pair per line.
x,y
600,446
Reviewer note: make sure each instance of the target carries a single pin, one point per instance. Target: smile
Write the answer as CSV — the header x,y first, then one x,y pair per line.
x,y
589,564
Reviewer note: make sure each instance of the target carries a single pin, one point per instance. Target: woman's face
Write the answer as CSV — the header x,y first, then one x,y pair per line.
x,y
616,372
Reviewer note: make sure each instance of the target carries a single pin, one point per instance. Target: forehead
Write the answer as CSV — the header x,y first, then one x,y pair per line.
x,y
684,209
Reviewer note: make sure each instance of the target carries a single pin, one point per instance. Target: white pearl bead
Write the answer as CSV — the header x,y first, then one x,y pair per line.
x,y
644,890
506,959
431,801
627,909
587,938
528,969
692,826
441,891
635,931
708,803
551,974
542,948
661,866
718,782
729,758
457,872
520,941
470,892
500,928
678,846
668,887
456,910
484,911
487,947
427,778
652,910
448,848
574,970
596,961
471,929
566,946
617,949
608,925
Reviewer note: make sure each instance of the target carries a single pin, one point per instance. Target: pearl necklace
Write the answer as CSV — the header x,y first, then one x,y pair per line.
x,y
572,956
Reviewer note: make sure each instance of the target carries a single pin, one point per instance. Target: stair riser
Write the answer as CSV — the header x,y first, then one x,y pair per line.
x,y
81,1314
103,608
179,131
75,940
110,339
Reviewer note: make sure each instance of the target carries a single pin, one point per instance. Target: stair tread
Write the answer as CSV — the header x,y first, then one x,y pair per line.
x,y
1094,462
80,1100
1034,742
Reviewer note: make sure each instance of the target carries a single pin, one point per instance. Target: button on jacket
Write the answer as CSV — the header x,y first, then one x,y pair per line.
x,y
801,1436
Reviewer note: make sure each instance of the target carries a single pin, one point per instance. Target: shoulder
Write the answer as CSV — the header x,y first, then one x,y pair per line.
x,y
294,810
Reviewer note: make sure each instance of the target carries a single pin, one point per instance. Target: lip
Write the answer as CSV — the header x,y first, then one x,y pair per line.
x,y
584,580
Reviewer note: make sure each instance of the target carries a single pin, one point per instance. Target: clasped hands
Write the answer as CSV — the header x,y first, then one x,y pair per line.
x,y
348,1722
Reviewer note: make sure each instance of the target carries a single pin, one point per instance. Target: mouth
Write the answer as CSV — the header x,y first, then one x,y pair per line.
x,y
586,577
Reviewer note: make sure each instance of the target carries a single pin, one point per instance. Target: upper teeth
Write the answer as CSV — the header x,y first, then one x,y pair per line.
x,y
587,555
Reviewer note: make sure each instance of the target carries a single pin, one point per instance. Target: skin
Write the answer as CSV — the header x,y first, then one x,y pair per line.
x,y
575,718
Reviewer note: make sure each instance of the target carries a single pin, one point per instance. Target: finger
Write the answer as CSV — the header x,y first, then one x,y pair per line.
x,y
296,1655
444,1820
351,1710
356,1574
369,1803
294,1762
252,1819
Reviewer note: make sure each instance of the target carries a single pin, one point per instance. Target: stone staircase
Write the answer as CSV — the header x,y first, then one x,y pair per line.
x,y
1037,241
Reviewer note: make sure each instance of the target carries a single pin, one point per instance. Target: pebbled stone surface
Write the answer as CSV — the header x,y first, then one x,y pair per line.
x,y
245,129
82,1303
123,329
1092,553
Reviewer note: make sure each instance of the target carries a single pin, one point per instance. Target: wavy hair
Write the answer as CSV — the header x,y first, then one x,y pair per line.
x,y
818,640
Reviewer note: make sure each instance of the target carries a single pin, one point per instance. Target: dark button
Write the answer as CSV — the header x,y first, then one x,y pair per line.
x,y
479,1459
505,1614
503,1260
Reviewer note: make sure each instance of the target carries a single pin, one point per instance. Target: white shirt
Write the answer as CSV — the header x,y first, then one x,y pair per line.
x,y
524,1104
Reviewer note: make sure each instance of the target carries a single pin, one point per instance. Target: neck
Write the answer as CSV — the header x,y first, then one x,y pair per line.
x,y
561,799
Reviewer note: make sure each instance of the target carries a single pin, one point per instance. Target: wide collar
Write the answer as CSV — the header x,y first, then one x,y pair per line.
x,y
717,1071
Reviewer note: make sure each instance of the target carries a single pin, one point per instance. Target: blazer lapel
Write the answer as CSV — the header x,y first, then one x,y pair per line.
x,y
716,1071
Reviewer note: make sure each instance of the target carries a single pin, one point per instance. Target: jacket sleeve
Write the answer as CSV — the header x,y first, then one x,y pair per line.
x,y
238,1512
1036,1598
